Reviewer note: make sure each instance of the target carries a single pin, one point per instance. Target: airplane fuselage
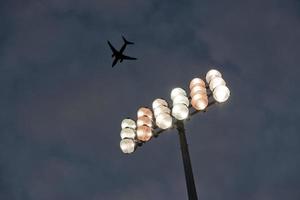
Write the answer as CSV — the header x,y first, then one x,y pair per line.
x,y
118,55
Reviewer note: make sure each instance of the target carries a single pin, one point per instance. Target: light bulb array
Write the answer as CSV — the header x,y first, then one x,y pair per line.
x,y
128,135
198,94
162,112
181,102
134,133
144,124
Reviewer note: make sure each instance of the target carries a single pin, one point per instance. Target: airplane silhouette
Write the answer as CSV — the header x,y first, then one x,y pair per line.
x,y
119,54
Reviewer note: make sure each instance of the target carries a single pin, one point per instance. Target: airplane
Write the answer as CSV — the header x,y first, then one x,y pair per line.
x,y
119,54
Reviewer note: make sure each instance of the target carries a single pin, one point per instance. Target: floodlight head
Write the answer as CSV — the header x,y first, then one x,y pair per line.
x,y
144,133
196,81
159,102
221,93
144,120
215,82
128,133
128,123
211,74
180,99
164,121
180,111
161,110
200,103
127,145
177,91
143,111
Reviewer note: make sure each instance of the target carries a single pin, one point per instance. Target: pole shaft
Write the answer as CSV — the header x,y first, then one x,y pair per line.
x,y
189,177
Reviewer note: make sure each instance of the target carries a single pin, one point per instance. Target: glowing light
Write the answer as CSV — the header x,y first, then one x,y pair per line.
x,y
159,102
144,120
180,99
127,133
128,123
161,109
199,104
180,111
198,94
144,133
180,104
221,93
196,81
127,145
164,121
212,74
145,112
177,91
162,115
215,82
197,89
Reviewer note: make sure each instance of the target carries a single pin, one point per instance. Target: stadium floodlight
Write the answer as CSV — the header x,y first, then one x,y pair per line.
x,y
163,117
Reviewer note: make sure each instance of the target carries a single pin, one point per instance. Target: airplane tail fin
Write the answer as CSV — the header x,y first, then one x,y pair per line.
x,y
127,42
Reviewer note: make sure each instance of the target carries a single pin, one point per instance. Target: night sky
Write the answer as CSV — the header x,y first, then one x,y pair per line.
x,y
62,103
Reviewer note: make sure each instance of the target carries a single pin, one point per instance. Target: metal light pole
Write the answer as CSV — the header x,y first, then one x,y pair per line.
x,y
189,177
147,125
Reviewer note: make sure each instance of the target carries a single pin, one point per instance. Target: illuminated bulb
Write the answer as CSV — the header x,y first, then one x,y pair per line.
x,y
161,109
215,82
200,104
198,89
128,123
127,145
221,93
144,120
212,74
164,121
199,96
145,112
159,102
144,133
197,81
177,91
180,111
180,99
127,133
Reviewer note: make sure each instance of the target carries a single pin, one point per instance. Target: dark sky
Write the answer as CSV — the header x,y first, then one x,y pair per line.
x,y
62,103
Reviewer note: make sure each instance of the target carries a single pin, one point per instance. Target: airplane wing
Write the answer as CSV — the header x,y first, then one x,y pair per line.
x,y
128,58
114,62
112,48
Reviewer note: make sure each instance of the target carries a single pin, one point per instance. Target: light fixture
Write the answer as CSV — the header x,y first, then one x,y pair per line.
x,y
217,85
180,108
144,124
128,123
196,81
134,135
177,91
128,129
212,74
180,99
144,120
127,145
215,82
143,111
159,102
198,94
128,133
221,93
144,133
162,112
